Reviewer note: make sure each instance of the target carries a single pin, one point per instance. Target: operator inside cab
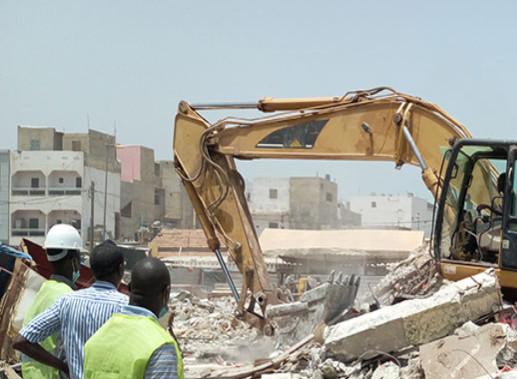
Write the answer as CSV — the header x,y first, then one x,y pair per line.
x,y
62,245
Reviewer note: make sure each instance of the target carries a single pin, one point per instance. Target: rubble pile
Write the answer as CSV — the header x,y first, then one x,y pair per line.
x,y
413,277
413,324
207,331
422,327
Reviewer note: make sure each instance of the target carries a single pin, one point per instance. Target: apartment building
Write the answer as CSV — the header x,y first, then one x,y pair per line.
x,y
297,203
179,212
56,176
394,212
4,195
269,203
313,203
143,197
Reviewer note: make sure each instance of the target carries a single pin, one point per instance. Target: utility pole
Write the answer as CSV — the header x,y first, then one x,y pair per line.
x,y
105,193
92,213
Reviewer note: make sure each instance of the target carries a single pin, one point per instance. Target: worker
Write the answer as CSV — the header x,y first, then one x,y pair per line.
x,y
132,344
78,315
498,206
62,245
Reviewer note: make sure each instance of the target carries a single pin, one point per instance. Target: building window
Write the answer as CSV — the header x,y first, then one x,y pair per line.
x,y
273,193
374,204
35,144
78,182
273,225
76,145
156,196
329,197
126,211
157,169
34,182
61,180
33,223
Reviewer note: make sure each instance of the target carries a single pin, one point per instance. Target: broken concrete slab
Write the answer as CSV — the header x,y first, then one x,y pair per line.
x,y
415,322
388,370
469,353
413,277
502,375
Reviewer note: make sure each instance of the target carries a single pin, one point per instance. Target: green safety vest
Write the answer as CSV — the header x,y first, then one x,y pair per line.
x,y
48,293
122,347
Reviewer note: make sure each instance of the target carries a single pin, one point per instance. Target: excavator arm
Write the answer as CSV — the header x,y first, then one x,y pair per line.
x,y
374,125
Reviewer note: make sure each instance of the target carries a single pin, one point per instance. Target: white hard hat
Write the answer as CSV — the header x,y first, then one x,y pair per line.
x,y
64,237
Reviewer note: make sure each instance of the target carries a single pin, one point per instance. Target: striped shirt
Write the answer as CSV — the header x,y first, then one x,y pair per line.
x,y
78,315
164,361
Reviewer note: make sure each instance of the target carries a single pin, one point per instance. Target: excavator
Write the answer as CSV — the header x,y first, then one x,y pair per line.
x,y
471,180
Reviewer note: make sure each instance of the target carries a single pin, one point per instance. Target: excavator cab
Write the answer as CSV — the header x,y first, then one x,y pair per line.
x,y
476,219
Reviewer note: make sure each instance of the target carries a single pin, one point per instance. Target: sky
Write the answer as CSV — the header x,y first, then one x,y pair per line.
x,y
127,64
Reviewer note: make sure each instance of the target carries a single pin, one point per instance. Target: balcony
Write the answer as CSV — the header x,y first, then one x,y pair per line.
x,y
27,232
28,191
62,182
28,223
28,183
60,191
69,216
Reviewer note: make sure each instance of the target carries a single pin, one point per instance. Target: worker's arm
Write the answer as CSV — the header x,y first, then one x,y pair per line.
x,y
38,353
40,327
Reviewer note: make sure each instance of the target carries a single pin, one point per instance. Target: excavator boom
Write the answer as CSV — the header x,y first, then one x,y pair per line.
x,y
374,125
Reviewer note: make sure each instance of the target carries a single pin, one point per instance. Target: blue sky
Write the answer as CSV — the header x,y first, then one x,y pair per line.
x,y
133,61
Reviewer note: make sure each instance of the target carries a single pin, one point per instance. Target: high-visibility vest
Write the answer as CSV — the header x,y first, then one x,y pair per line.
x,y
122,347
48,293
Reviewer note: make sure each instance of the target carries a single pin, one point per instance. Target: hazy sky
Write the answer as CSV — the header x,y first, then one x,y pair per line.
x,y
133,61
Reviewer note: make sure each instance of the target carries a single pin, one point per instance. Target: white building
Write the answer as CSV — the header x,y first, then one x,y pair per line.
x,y
269,202
50,187
398,211
4,196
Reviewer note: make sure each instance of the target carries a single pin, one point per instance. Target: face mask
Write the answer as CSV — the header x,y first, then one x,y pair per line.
x,y
163,312
75,275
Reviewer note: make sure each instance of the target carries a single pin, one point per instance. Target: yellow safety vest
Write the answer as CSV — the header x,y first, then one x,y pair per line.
x,y
48,293
122,347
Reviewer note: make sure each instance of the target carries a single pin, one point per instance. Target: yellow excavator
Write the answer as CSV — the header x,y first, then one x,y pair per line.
x,y
475,223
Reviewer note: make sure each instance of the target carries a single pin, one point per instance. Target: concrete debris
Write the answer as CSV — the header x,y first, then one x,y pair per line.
x,y
502,375
331,369
413,277
469,353
413,369
415,322
8,372
388,370
207,331
422,327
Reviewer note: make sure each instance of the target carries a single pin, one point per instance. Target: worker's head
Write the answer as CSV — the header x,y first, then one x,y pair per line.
x,y
501,180
62,246
107,262
150,285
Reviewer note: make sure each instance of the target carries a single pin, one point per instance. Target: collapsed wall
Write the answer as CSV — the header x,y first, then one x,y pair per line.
x,y
415,322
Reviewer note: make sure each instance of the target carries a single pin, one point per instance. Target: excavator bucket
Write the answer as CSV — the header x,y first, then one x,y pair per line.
x,y
330,302
340,297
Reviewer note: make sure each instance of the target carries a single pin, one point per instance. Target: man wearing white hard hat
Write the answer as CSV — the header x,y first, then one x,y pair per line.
x,y
78,314
62,246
